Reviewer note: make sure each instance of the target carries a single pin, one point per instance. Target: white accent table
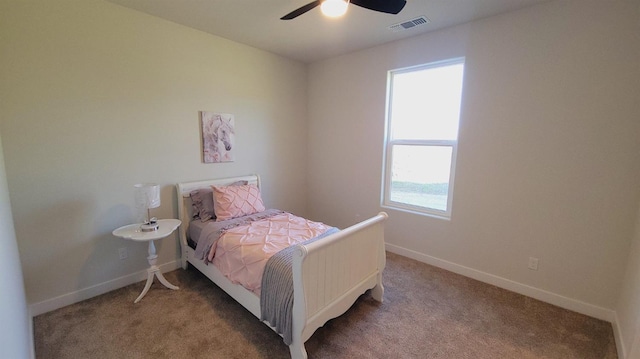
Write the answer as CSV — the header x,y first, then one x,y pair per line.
x,y
134,233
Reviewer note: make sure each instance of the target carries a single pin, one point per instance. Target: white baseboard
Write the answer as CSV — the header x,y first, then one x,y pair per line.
x,y
90,292
617,334
575,305
31,338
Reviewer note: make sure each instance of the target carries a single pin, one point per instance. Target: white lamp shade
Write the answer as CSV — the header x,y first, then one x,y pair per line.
x,y
147,195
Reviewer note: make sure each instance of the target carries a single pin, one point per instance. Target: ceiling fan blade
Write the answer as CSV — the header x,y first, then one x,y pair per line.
x,y
387,6
297,12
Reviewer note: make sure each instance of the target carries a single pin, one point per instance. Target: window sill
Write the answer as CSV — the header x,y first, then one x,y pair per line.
x,y
443,216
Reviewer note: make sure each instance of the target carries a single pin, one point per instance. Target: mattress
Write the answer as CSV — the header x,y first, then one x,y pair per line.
x,y
195,230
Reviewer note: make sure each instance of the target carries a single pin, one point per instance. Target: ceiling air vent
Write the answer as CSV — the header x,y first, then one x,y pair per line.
x,y
422,20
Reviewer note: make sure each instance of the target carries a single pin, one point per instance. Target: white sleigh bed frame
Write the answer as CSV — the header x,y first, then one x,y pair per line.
x,y
328,274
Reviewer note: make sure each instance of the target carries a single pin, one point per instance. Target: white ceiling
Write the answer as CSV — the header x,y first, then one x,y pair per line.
x,y
311,36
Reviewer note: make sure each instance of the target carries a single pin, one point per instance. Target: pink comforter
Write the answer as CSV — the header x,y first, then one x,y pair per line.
x,y
242,252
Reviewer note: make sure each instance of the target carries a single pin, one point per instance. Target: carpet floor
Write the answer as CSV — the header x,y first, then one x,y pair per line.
x,y
427,313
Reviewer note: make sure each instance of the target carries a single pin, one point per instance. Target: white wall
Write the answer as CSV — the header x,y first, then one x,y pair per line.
x,y
15,334
548,149
97,97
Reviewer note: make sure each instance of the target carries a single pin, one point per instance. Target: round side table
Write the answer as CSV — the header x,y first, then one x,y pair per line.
x,y
134,233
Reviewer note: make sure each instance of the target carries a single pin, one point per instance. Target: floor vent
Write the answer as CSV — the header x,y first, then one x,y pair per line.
x,y
422,20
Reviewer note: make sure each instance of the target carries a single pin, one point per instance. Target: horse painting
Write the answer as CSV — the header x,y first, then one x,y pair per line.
x,y
218,137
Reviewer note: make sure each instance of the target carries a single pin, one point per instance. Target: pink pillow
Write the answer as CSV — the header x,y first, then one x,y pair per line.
x,y
236,201
202,202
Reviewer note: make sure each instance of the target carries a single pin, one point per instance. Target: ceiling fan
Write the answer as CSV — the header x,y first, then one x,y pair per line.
x,y
386,6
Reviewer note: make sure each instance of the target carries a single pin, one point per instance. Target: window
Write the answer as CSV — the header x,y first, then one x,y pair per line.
x,y
423,112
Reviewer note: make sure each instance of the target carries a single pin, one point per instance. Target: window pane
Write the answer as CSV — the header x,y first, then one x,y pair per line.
x,y
425,104
420,175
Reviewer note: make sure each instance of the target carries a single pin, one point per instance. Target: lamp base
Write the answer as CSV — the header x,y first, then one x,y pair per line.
x,y
149,226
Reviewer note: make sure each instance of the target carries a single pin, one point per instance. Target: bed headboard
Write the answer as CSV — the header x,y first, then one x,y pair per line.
x,y
185,209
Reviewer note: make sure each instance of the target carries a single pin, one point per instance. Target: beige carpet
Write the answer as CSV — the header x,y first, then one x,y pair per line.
x,y
427,313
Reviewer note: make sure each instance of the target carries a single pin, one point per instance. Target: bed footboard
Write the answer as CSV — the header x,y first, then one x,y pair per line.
x,y
330,274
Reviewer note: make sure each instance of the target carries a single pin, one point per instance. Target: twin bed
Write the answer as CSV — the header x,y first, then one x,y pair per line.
x,y
317,277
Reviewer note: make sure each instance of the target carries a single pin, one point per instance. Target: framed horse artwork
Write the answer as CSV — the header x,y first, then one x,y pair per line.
x,y
218,137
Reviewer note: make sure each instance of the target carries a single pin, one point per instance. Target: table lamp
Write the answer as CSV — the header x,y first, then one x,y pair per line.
x,y
147,196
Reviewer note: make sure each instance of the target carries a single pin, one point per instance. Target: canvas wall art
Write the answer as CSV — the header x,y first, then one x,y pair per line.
x,y
218,137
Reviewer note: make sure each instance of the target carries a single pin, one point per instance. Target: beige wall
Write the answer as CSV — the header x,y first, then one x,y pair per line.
x,y
96,97
548,148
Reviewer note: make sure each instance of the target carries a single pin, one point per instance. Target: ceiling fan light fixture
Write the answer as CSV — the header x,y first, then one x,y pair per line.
x,y
334,8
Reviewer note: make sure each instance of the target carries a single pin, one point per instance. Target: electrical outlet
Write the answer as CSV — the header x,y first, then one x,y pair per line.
x,y
122,253
533,263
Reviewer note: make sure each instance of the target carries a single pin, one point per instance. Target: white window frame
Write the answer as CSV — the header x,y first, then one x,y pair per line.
x,y
390,143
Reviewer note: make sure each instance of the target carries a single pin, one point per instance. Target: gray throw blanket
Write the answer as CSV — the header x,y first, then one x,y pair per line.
x,y
276,295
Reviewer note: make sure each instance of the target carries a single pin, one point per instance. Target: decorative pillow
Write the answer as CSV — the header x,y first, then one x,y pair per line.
x,y
236,201
202,202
